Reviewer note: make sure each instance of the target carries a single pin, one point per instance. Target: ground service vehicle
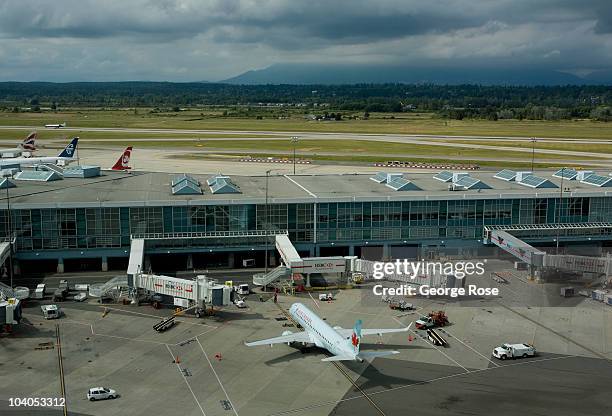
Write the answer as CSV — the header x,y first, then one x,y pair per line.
x,y
101,393
50,311
432,320
39,293
243,289
400,305
505,351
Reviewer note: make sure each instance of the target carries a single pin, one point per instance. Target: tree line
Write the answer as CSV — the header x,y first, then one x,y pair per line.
x,y
450,101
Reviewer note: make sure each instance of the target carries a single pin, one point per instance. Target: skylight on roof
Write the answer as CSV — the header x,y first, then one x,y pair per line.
x,y
568,174
467,182
186,187
505,175
224,185
402,184
444,176
380,177
598,180
533,181
37,175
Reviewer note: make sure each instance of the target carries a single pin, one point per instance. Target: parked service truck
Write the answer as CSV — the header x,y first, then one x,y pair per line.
x,y
432,320
51,311
506,351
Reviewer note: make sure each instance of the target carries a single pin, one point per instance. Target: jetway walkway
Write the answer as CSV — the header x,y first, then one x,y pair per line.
x,y
501,237
200,291
136,257
5,251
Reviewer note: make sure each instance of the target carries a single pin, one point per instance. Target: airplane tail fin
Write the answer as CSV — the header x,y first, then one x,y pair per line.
x,y
124,161
356,336
70,150
29,143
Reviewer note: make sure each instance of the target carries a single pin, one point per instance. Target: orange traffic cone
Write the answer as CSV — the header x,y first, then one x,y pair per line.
x,y
410,338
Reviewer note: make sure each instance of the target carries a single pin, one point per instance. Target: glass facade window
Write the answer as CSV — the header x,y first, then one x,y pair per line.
x,y
350,222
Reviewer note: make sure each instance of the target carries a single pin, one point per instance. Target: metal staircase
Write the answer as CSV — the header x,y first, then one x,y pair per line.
x,y
113,288
264,279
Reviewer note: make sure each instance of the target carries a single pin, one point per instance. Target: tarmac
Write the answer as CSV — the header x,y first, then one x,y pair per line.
x,y
202,367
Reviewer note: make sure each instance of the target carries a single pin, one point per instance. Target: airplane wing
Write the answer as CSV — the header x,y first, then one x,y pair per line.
x,y
339,358
297,337
361,356
373,354
345,332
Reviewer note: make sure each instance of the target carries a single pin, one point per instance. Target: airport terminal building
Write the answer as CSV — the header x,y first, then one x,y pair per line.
x,y
84,218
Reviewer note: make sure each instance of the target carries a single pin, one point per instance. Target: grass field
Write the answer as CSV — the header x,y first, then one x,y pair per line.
x,y
372,159
350,148
404,123
576,147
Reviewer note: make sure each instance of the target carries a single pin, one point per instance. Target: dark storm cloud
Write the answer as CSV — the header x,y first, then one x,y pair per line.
x,y
213,39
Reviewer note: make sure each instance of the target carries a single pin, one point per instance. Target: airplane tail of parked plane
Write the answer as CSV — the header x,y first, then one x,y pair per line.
x,y
70,150
124,160
29,143
355,339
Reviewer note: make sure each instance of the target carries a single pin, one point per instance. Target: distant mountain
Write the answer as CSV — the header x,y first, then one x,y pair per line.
x,y
355,74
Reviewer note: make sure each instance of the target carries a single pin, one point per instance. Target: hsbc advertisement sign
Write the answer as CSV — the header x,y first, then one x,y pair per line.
x,y
321,265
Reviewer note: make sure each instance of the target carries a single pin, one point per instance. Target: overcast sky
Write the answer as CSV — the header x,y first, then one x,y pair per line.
x,y
193,40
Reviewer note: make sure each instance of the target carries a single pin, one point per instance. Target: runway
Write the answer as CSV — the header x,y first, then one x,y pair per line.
x,y
166,157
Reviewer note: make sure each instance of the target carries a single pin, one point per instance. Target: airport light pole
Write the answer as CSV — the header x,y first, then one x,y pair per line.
x,y
533,142
560,203
266,222
294,140
10,229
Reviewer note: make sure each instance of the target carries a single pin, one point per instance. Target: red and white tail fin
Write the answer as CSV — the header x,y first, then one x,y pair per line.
x,y
29,143
124,160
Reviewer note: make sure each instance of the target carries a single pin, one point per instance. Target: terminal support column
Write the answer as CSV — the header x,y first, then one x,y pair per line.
x,y
60,265
189,261
104,263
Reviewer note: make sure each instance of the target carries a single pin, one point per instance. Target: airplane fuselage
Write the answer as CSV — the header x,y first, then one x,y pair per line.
x,y
320,332
30,161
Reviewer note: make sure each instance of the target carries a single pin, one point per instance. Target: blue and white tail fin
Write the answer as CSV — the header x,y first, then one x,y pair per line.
x,y
355,339
70,150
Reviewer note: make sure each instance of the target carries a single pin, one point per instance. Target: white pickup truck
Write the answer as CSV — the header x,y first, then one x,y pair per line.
x,y
505,351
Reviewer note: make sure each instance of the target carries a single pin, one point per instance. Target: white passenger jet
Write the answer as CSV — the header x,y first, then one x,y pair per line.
x,y
55,126
27,145
64,158
342,343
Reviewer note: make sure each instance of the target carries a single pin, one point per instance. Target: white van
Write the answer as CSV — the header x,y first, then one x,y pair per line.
x,y
101,393
243,289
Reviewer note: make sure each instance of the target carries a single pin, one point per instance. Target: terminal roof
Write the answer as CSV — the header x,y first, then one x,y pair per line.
x,y
120,189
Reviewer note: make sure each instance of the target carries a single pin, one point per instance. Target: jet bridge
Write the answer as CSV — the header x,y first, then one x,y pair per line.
x,y
198,292
501,237
516,247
